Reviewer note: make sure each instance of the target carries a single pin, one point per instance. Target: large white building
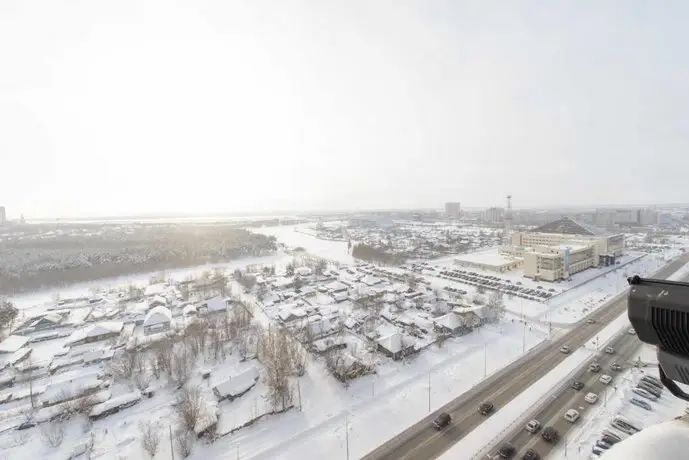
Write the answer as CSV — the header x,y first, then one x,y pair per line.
x,y
564,247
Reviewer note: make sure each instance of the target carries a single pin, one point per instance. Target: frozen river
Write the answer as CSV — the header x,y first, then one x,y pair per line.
x,y
298,235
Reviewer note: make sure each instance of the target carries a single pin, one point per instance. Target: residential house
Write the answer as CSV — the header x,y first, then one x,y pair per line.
x,y
157,301
215,306
13,343
159,319
97,332
396,345
451,323
237,385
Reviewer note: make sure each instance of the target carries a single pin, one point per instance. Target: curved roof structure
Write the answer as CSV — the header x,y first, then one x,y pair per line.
x,y
158,315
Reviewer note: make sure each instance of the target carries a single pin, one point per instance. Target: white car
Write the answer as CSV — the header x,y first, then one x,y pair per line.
x,y
565,349
631,331
591,398
610,350
571,416
605,379
533,426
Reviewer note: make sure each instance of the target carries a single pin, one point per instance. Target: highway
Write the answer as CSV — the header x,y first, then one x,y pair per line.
x,y
551,414
421,441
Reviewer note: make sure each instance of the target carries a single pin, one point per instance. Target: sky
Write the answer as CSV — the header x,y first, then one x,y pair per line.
x,y
171,106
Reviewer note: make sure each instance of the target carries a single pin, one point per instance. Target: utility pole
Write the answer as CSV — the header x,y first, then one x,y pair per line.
x,y
429,391
524,338
172,450
347,433
485,360
299,393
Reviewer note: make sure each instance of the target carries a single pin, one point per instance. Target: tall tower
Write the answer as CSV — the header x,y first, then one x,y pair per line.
x,y
507,233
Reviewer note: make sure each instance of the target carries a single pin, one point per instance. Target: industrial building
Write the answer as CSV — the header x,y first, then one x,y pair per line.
x,y
562,248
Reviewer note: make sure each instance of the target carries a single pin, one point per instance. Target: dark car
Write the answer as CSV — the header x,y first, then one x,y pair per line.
x,y
531,454
486,408
442,421
577,385
550,434
507,450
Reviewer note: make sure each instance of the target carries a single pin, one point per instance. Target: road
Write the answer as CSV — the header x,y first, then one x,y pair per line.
x,y
625,346
421,441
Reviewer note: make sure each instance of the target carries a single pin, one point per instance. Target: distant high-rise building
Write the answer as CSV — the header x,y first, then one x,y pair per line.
x,y
3,216
494,215
452,210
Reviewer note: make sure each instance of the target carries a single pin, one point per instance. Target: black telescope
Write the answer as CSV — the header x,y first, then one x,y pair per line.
x,y
659,313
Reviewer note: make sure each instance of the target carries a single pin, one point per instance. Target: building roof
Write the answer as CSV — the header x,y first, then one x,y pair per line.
x,y
569,226
13,343
450,321
158,315
237,384
108,327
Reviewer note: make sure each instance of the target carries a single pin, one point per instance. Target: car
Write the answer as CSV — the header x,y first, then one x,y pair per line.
x,y
577,385
591,398
590,321
631,331
486,408
565,349
533,426
594,367
609,350
615,367
442,420
550,434
572,415
507,450
531,454
641,403
605,379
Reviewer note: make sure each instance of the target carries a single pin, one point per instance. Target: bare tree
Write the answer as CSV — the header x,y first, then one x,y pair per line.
x,y
124,365
189,406
496,304
162,355
8,314
180,367
481,289
184,441
274,353
150,436
53,433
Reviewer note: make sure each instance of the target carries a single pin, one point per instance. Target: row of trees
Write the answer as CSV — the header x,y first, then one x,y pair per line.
x,y
369,253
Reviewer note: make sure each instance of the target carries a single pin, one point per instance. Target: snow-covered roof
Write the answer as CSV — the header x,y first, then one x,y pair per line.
x,y
303,271
450,321
64,390
286,313
158,300
340,296
237,384
158,315
393,343
336,286
106,327
215,304
155,289
320,326
370,280
125,399
13,343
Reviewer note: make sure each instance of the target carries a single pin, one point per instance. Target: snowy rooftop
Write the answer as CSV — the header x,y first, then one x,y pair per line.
x,y
13,343
237,384
158,315
491,257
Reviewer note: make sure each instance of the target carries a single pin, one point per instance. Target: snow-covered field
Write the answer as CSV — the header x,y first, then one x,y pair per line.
x,y
513,414
580,441
301,236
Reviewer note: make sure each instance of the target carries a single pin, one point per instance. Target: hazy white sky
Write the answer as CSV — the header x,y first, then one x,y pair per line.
x,y
132,106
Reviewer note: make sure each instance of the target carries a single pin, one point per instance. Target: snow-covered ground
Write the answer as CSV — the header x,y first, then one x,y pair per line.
x,y
579,442
302,236
506,418
398,394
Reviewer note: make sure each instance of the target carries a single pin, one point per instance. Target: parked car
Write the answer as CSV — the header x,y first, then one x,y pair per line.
x,y
550,435
609,439
650,388
507,450
641,403
577,385
533,426
631,331
486,408
590,321
442,420
644,394
531,454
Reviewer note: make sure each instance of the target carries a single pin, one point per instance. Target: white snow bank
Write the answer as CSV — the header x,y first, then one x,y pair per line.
x,y
483,437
